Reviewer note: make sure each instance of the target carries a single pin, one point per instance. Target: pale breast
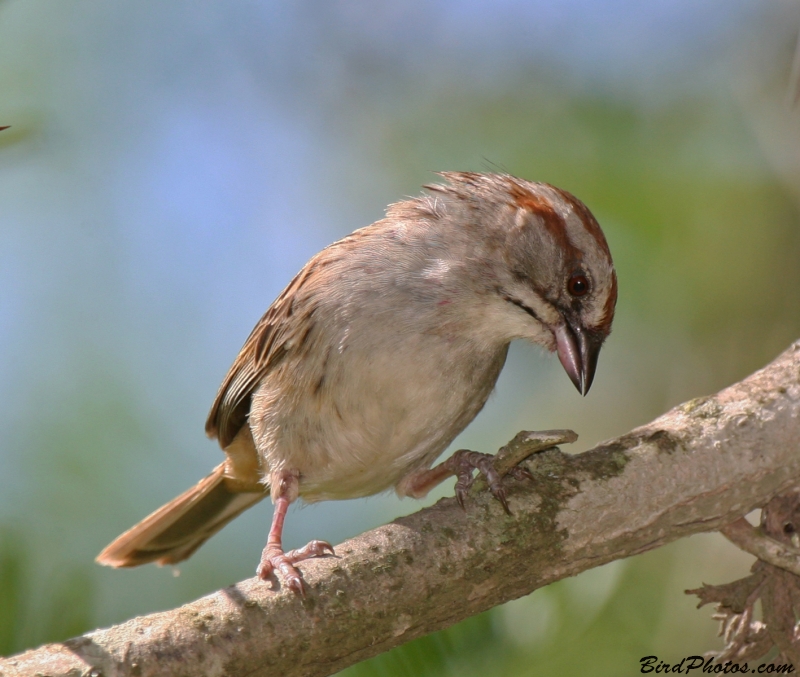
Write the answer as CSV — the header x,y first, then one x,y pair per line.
x,y
371,416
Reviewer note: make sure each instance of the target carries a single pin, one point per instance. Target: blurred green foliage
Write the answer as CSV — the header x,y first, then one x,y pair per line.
x,y
26,620
12,566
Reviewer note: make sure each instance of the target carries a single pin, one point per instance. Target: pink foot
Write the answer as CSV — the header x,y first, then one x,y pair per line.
x,y
274,559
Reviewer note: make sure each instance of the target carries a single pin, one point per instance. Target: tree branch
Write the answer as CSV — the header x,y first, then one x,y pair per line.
x,y
697,468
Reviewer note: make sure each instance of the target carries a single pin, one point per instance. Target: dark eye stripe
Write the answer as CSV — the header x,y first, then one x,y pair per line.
x,y
521,305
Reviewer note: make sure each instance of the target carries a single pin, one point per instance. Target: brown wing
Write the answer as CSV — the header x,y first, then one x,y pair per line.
x,y
263,349
287,320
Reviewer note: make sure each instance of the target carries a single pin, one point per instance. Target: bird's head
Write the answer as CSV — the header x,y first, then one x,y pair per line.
x,y
553,272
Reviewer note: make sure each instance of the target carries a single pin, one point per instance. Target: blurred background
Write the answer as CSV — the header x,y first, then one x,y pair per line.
x,y
170,166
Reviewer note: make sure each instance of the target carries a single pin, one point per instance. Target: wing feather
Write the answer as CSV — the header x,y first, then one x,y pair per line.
x,y
284,328
262,350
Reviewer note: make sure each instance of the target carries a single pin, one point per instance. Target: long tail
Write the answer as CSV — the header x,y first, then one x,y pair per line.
x,y
177,529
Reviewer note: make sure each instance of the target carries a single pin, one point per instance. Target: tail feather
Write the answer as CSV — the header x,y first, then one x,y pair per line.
x,y
174,531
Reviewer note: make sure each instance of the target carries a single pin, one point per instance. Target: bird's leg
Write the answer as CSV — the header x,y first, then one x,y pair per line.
x,y
461,464
284,490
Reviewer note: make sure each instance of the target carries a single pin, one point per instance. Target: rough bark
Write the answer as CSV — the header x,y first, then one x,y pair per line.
x,y
697,468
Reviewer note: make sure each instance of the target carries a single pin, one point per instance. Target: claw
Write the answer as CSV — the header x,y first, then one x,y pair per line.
x,y
464,462
295,583
312,549
520,473
463,483
500,495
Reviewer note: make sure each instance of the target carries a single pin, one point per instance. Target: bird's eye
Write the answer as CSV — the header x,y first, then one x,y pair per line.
x,y
578,285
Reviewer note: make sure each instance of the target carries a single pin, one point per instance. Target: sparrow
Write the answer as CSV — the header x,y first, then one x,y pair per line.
x,y
381,351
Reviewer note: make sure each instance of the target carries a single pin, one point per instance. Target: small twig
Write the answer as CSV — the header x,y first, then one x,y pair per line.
x,y
742,534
